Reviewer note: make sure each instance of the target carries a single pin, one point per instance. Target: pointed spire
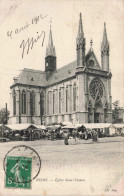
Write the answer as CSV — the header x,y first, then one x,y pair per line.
x,y
80,35
50,50
105,51
105,43
91,44
105,40
80,29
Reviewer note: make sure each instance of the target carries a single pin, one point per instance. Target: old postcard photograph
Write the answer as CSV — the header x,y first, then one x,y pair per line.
x,y
62,98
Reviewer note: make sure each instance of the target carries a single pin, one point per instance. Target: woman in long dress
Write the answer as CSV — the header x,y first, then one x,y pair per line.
x,y
66,137
16,170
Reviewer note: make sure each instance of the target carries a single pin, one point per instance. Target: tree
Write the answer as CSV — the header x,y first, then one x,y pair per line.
x,y
115,112
3,117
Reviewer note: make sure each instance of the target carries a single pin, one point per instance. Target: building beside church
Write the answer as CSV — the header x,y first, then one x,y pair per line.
x,y
79,92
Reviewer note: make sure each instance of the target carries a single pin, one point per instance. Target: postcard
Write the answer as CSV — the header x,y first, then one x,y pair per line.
x,y
62,98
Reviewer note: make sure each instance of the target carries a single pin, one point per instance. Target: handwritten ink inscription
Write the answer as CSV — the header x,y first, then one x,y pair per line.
x,y
28,44
34,20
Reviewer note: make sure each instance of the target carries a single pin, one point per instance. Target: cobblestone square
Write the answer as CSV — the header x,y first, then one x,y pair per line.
x,y
92,168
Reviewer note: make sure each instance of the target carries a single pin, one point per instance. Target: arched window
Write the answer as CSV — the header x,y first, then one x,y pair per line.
x,y
60,101
14,102
42,103
96,89
74,97
32,103
23,102
48,103
53,102
66,98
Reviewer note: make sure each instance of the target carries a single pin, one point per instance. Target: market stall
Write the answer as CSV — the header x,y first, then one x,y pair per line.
x,y
21,131
119,129
103,129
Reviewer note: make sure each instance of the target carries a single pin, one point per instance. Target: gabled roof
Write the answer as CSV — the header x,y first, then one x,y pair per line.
x,y
92,54
38,78
62,73
32,77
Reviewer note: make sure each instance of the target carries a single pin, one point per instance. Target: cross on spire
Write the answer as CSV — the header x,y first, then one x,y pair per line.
x,y
50,23
91,42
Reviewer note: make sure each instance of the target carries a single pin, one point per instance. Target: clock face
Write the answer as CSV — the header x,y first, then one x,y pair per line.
x,y
96,89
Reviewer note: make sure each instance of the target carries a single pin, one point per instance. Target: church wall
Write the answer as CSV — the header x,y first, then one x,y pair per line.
x,y
64,115
25,118
11,106
106,97
81,112
79,116
13,120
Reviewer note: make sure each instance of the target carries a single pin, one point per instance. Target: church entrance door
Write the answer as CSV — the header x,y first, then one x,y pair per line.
x,y
96,117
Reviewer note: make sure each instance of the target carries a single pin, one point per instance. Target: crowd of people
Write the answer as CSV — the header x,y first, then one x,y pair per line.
x,y
79,135
65,134
51,133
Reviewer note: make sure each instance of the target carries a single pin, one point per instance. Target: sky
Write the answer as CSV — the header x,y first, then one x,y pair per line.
x,y
21,20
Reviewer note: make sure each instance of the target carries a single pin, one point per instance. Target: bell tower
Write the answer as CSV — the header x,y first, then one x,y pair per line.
x,y
105,51
80,43
50,59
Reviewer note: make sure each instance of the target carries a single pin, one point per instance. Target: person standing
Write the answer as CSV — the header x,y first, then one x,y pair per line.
x,y
86,135
66,137
52,134
74,132
95,136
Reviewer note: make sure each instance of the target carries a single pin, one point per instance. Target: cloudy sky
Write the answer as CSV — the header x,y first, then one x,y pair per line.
x,y
34,16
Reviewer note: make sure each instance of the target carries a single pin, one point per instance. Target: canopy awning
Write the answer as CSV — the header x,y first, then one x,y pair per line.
x,y
53,127
119,125
66,123
69,127
97,125
4,127
20,127
41,127
79,126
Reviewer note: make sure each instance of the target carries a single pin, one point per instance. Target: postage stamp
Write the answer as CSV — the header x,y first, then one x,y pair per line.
x,y
21,168
18,171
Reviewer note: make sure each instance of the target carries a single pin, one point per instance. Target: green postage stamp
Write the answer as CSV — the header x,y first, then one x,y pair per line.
x,y
18,172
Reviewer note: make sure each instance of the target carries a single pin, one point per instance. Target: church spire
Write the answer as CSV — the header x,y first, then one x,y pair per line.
x,y
80,35
105,51
50,59
80,42
105,43
50,50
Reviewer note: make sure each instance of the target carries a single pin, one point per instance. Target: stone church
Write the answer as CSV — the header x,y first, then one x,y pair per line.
x,y
79,92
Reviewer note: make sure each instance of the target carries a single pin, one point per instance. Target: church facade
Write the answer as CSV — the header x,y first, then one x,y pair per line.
x,y
79,92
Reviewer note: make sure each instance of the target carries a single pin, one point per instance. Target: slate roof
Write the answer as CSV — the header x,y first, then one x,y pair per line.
x,y
63,73
38,78
31,77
